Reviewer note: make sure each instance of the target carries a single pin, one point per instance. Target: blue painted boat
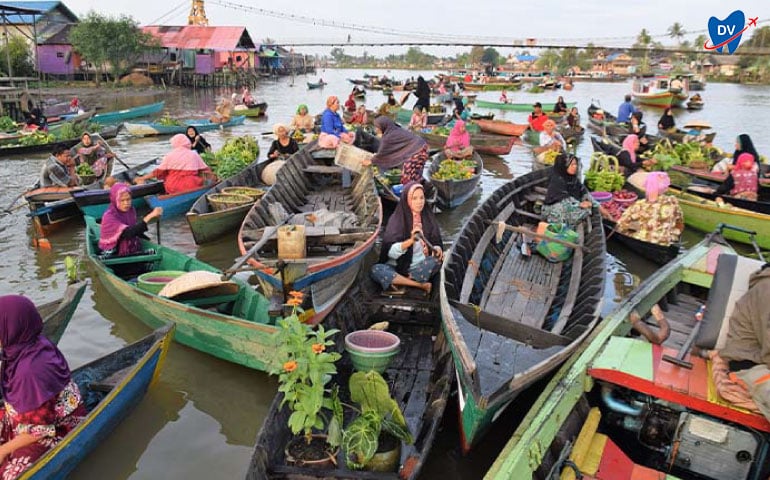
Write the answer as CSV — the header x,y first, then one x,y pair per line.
x,y
177,203
314,86
118,116
111,386
146,129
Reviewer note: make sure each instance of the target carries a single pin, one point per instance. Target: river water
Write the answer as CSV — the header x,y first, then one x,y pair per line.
x,y
200,420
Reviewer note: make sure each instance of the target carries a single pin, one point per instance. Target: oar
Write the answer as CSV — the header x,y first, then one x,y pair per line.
x,y
157,230
504,226
10,206
266,234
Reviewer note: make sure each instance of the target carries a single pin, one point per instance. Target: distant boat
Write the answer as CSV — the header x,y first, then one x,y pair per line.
x,y
313,86
146,129
657,92
118,116
518,107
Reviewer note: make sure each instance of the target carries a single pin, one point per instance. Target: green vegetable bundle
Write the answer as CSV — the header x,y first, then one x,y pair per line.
x,y
454,170
37,138
84,169
604,174
7,124
234,156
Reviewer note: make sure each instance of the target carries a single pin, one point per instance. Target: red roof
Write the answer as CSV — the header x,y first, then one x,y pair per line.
x,y
194,37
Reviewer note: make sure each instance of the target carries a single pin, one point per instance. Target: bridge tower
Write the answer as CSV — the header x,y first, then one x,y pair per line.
x,y
197,14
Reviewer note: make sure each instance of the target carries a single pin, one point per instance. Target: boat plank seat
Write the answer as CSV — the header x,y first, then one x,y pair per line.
x,y
638,365
106,384
146,257
323,169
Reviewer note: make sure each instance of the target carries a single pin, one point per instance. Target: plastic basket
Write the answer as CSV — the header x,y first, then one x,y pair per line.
x,y
351,157
223,201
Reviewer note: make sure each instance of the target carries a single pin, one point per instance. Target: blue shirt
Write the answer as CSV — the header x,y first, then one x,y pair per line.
x,y
624,111
331,123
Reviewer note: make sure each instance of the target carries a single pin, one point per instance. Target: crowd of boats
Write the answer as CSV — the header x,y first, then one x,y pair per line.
x,y
621,402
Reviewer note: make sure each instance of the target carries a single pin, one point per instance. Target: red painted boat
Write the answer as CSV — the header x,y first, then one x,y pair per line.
x,y
501,127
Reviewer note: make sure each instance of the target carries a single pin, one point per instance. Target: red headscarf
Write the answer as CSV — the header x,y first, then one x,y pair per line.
x,y
745,162
459,138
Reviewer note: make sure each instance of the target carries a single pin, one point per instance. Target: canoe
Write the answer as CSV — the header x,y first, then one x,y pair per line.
x,y
95,202
236,328
256,110
357,81
657,254
313,86
679,136
111,386
571,134
718,178
703,191
420,377
502,127
14,149
58,313
706,215
119,116
145,129
176,203
694,105
619,379
404,116
482,143
491,87
307,191
534,314
479,116
453,193
517,107
598,125
207,224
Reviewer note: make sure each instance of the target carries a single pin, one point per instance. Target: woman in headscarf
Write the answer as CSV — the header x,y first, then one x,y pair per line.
x,y
627,156
419,119
560,106
406,260
42,403
458,143
743,144
350,103
742,181
199,144
657,218
666,122
283,145
399,146
361,117
121,233
302,120
182,169
332,126
422,92
567,200
573,118
94,154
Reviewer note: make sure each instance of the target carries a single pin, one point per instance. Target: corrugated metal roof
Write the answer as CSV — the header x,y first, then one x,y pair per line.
x,y
195,37
43,7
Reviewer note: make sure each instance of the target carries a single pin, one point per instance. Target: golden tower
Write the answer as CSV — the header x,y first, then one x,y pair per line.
x,y
197,14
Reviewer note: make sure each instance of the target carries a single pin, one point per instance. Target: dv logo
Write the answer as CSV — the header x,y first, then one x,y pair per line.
x,y
728,31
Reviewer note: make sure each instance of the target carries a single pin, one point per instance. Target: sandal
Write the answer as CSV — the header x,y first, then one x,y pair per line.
x,y
394,291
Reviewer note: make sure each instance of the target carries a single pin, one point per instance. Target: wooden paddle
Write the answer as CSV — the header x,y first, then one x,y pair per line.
x,y
8,209
266,234
501,226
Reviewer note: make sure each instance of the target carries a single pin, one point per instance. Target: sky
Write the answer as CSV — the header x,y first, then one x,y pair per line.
x,y
576,22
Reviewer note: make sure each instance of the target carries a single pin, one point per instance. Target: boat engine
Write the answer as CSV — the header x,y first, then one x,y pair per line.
x,y
683,440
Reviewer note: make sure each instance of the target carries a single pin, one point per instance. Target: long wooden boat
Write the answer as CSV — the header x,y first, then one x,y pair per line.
x,y
706,215
111,387
58,313
482,143
511,319
118,116
237,328
404,116
620,379
453,193
658,254
176,203
656,92
502,127
491,87
571,134
256,110
517,107
758,206
679,136
95,202
306,191
314,86
421,379
14,149
207,224
145,129
600,126
718,178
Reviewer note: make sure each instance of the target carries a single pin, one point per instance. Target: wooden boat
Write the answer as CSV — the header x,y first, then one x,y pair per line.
x,y
517,107
146,129
600,125
695,104
255,110
657,92
479,116
95,202
707,192
680,136
207,224
176,203
571,134
16,149
403,116
111,387
370,115
357,81
421,379
453,193
57,314
532,313
706,215
119,116
237,328
717,178
648,410
314,86
502,127
482,143
305,192
491,87
657,254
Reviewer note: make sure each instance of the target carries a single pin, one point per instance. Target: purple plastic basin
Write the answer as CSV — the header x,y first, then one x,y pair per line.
x,y
601,197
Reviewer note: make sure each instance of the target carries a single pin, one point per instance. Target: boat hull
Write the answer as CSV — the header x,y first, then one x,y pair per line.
x,y
453,193
501,127
482,143
128,113
658,254
175,204
518,107
146,129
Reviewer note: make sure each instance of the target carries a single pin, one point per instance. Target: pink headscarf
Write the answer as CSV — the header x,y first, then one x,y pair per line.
x,y
114,221
628,145
655,184
181,157
458,139
745,162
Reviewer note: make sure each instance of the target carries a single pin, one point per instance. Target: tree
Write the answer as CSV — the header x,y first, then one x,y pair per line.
x,y
476,53
699,42
21,58
676,31
548,60
338,54
643,39
112,42
491,56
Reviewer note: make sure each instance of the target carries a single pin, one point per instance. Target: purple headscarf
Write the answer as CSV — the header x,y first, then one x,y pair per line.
x,y
114,222
34,370
397,145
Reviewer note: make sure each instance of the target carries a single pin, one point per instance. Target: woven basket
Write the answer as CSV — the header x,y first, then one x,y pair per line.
x,y
254,193
87,179
223,201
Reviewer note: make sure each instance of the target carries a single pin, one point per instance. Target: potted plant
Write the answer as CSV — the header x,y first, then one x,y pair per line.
x,y
305,368
380,421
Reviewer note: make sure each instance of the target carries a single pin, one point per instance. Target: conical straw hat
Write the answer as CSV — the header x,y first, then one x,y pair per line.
x,y
198,284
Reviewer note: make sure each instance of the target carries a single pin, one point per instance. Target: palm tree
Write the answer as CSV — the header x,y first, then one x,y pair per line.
x,y
676,31
644,38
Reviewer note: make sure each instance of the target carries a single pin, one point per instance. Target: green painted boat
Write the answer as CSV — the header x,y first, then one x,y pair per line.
x,y
257,110
118,116
237,328
657,92
511,318
518,107
617,379
58,313
492,87
404,116
706,215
